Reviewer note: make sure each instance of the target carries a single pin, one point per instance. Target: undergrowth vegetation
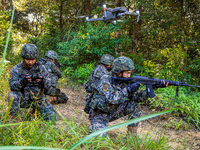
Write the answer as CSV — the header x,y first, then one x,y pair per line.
x,y
164,44
37,134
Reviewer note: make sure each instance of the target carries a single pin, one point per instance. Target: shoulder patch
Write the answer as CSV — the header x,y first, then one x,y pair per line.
x,y
105,87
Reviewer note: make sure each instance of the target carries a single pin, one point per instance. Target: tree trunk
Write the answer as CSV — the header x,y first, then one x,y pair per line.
x,y
134,33
86,7
3,7
183,24
117,33
61,20
118,3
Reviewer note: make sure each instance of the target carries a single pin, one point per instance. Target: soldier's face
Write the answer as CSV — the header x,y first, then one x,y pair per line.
x,y
108,66
29,62
53,60
127,74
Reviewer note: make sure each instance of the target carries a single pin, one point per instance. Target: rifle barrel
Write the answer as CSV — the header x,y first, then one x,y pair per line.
x,y
152,81
198,86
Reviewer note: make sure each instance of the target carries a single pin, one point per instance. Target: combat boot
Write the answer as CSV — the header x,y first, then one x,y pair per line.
x,y
132,130
62,98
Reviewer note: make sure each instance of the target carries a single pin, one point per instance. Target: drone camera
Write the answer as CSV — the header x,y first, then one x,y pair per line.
x,y
121,15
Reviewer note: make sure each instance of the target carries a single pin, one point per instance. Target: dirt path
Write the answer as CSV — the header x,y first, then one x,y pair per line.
x,y
179,139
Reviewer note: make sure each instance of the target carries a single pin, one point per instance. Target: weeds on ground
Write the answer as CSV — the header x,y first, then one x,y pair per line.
x,y
65,134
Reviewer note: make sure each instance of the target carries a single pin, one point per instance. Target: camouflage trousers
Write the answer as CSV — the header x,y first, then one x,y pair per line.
x,y
99,120
87,107
46,109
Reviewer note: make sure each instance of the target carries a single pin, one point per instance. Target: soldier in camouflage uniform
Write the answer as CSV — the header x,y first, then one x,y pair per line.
x,y
28,81
55,74
104,68
112,100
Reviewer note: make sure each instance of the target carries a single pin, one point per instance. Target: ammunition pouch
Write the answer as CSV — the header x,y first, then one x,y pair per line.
x,y
88,87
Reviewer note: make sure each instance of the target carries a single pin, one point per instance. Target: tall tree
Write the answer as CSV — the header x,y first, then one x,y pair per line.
x,y
2,5
87,7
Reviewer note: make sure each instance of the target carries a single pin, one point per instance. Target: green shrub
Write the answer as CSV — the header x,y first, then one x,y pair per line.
x,y
188,101
82,73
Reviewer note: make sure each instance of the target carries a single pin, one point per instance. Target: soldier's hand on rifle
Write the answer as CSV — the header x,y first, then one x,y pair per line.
x,y
133,87
165,85
41,81
161,85
26,79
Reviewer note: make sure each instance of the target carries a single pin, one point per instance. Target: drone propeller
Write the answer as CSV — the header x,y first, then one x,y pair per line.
x,y
104,9
88,20
80,17
138,14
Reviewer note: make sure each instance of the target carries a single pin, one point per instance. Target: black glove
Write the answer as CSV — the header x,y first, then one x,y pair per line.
x,y
42,81
160,85
24,81
133,87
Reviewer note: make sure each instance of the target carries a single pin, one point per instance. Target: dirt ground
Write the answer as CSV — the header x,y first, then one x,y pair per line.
x,y
179,139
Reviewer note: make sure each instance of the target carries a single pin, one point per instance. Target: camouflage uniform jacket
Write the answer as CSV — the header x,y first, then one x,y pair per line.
x,y
54,72
95,76
33,88
108,95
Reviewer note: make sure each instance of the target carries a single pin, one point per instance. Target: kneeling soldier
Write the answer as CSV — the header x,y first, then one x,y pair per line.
x,y
54,73
104,68
28,81
112,100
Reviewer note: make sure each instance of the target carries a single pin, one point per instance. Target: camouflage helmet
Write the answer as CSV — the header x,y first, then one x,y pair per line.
x,y
122,64
51,54
107,59
29,51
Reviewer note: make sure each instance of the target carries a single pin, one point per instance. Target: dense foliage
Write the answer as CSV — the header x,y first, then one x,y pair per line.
x,y
4,26
164,44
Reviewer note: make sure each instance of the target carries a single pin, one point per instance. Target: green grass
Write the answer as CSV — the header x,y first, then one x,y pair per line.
x,y
188,100
68,135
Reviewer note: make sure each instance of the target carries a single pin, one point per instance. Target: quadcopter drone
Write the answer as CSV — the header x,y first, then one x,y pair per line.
x,y
111,15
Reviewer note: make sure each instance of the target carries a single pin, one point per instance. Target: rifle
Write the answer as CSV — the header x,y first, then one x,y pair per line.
x,y
149,82
57,64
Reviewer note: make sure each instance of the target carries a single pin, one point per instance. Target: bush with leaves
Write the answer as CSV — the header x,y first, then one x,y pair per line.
x,y
4,26
90,43
81,74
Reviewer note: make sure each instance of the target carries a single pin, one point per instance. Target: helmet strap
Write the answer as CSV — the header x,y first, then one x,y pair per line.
x,y
118,74
24,62
122,74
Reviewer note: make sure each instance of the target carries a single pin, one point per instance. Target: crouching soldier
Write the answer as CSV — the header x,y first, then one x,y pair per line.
x,y
112,100
104,68
54,73
28,80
